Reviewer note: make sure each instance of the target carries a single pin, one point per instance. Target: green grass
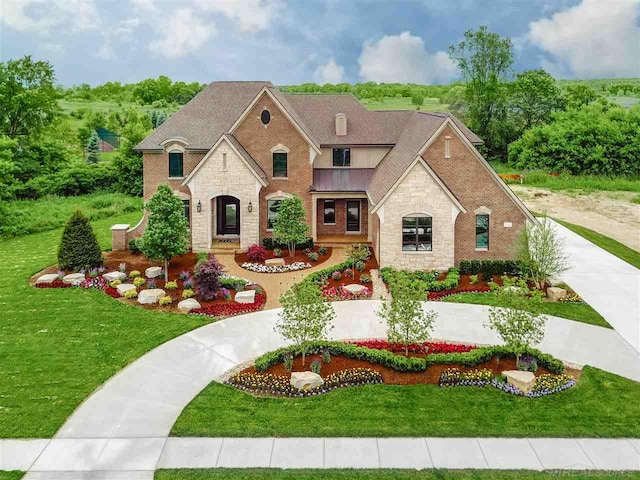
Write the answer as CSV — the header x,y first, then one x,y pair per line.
x,y
404,103
601,405
612,246
33,216
58,345
384,474
12,475
578,312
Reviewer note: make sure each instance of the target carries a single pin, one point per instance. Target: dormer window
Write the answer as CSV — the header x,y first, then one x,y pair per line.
x,y
265,117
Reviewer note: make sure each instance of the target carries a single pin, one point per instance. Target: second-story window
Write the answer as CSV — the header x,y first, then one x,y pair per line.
x,y
279,165
341,157
175,164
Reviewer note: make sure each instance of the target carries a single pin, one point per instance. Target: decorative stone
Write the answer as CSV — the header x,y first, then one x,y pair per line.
x,y
73,278
306,380
124,288
111,276
523,381
188,304
556,293
355,288
274,261
151,295
48,278
245,296
153,272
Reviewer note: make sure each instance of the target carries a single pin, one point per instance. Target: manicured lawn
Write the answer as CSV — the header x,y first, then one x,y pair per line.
x,y
14,475
601,405
275,474
612,246
579,312
58,345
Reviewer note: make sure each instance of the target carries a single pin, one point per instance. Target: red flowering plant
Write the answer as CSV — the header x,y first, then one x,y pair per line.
x,y
57,283
423,347
256,253
230,309
435,296
335,294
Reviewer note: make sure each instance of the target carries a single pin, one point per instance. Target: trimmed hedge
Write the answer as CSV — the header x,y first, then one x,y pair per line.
x,y
270,244
401,363
488,268
419,281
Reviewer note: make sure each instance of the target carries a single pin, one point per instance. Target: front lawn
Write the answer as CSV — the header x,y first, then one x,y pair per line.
x,y
13,475
600,405
580,312
58,345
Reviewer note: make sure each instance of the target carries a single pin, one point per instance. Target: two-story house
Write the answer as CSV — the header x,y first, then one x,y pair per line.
x,y
411,183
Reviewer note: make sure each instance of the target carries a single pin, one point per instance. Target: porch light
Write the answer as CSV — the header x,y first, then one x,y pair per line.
x,y
250,207
199,206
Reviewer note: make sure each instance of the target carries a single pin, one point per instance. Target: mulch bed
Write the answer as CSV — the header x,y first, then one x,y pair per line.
x,y
393,377
299,256
371,264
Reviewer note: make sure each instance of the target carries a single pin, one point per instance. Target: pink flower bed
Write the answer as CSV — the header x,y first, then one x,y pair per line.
x,y
335,294
424,347
228,309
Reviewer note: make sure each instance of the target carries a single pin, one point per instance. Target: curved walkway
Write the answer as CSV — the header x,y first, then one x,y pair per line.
x,y
126,422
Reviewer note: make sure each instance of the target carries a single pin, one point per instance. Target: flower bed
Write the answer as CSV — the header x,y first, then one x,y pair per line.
x,y
428,348
280,385
54,284
229,309
260,268
435,296
335,294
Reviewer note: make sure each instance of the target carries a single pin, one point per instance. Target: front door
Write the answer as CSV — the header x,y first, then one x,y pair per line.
x,y
353,215
228,215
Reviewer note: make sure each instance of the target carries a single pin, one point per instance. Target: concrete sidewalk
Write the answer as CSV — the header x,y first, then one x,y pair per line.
x,y
610,285
137,458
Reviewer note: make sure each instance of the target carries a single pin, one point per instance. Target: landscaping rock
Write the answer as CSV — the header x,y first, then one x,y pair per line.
x,y
152,295
153,272
188,304
48,278
246,296
523,381
124,288
73,278
355,288
556,293
306,380
274,261
111,276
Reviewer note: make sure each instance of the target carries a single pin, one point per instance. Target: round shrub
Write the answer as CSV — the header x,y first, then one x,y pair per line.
x,y
364,278
336,275
360,266
171,285
322,250
256,253
277,252
129,294
207,278
188,293
166,300
313,257
79,246
138,281
134,274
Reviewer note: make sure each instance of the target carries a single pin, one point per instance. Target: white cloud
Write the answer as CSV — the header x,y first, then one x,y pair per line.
x,y
183,33
330,72
404,58
42,16
592,39
249,15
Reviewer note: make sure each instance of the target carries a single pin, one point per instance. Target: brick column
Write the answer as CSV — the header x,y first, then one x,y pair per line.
x,y
119,236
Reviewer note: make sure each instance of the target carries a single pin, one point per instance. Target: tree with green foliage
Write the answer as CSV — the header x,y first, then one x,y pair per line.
x,y
305,316
8,168
357,253
578,94
417,99
28,96
167,232
484,60
533,96
79,248
406,320
290,227
93,148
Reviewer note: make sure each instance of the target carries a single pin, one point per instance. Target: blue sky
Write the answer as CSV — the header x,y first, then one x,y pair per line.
x,y
289,42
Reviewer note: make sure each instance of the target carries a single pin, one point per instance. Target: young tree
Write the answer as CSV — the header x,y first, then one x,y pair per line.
x,y
93,148
406,321
417,99
542,252
167,232
533,96
305,316
357,253
290,227
79,246
518,329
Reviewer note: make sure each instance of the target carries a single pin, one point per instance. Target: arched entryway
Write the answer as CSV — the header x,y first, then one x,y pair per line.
x,y
227,215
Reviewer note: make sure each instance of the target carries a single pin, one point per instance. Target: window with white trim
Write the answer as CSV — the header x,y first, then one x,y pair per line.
x,y
417,234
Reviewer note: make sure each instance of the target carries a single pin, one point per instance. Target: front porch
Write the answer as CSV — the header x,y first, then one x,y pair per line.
x,y
340,240
340,218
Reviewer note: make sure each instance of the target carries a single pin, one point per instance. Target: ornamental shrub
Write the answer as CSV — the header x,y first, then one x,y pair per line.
x,y
129,294
322,250
138,281
134,245
171,285
364,278
134,273
313,256
188,293
256,253
277,252
166,300
207,278
79,247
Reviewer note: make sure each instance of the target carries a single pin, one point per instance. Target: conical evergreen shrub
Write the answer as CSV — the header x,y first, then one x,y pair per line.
x,y
79,246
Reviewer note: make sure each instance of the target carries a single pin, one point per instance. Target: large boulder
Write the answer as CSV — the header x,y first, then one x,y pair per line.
x,y
151,295
355,288
111,276
246,296
523,381
48,278
306,380
124,288
153,272
556,293
73,278
188,304
274,262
